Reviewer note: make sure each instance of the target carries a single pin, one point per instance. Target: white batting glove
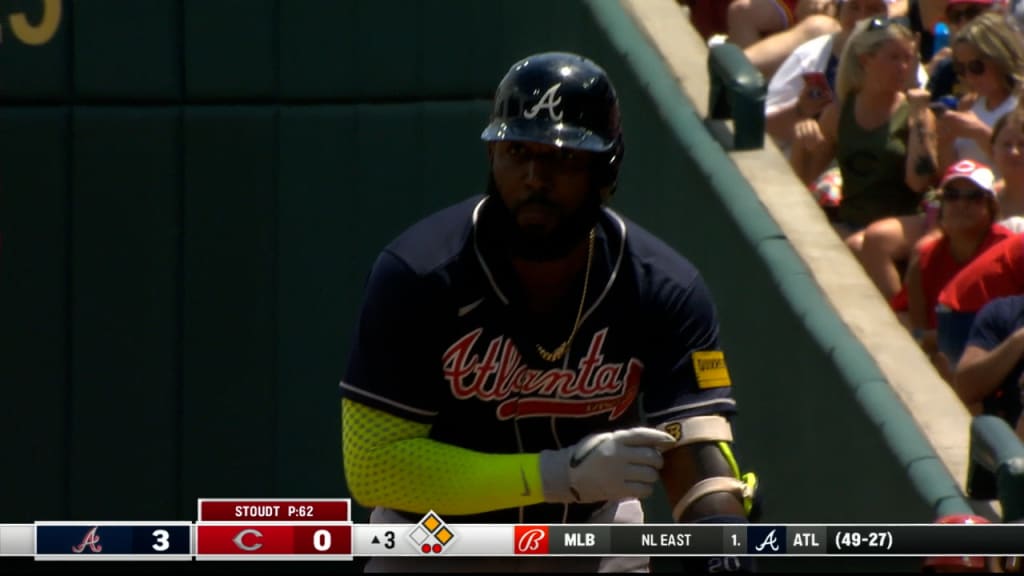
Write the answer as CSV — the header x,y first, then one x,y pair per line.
x,y
605,466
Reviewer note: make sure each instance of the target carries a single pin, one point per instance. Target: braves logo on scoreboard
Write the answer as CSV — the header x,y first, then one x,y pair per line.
x,y
91,540
532,540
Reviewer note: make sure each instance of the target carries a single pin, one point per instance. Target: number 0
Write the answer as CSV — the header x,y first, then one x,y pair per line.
x,y
322,540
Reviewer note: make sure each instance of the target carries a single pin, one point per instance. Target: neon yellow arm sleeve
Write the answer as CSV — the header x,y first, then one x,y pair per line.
x,y
390,462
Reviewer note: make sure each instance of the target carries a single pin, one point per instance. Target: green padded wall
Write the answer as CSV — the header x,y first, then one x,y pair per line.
x,y
126,50
230,49
230,300
124,322
35,236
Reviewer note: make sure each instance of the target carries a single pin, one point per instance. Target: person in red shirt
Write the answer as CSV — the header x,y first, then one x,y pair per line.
x,y
997,272
967,214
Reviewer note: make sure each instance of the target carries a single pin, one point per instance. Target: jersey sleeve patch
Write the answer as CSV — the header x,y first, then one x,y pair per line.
x,y
709,366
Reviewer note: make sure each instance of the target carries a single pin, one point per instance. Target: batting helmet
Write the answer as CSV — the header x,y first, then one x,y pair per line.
x,y
560,99
957,563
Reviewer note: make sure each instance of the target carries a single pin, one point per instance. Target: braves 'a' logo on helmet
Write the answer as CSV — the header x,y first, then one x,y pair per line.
x,y
549,101
582,108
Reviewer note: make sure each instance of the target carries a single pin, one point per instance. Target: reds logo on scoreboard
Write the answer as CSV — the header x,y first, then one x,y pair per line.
x,y
593,388
531,539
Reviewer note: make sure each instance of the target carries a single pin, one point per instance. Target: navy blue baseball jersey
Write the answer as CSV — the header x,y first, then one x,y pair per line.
x,y
444,338
995,322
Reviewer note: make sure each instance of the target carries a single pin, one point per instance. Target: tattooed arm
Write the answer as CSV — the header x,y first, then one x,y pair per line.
x,y
922,148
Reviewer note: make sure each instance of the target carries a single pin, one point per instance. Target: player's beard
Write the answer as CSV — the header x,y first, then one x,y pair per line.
x,y
534,245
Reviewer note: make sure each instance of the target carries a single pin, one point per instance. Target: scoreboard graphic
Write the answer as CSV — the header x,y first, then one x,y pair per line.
x,y
322,530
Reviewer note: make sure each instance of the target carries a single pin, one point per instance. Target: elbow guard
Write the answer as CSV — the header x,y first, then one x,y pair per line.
x,y
717,430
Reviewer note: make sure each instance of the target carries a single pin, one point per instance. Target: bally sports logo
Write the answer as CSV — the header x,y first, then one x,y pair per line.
x,y
593,388
531,539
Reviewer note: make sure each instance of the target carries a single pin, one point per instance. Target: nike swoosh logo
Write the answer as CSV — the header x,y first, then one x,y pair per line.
x,y
578,459
526,485
469,307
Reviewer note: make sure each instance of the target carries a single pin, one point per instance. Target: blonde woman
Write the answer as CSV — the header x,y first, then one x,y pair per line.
x,y
988,56
881,133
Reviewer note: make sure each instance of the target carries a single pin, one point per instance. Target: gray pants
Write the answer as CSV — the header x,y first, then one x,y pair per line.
x,y
622,512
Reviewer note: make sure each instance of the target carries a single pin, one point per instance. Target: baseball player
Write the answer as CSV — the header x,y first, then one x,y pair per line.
x,y
532,356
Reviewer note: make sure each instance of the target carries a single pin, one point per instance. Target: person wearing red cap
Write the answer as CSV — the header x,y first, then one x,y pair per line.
x,y
990,55
957,563
967,213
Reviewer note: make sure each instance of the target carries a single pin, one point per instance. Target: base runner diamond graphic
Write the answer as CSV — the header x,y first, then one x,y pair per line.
x,y
431,535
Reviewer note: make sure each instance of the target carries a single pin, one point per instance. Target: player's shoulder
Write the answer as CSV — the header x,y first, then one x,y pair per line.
x,y
656,265
436,240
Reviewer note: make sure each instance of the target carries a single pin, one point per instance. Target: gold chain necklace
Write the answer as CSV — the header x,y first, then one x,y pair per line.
x,y
564,346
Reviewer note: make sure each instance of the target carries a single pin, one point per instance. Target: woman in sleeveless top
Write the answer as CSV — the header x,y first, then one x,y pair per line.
x,y
881,133
988,55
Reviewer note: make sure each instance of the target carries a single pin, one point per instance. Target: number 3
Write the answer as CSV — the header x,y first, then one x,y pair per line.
x,y
163,540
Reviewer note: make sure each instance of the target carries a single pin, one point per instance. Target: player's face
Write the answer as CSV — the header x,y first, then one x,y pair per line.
x,y
542,186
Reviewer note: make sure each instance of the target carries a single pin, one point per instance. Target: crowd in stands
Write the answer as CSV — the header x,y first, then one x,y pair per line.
x,y
904,121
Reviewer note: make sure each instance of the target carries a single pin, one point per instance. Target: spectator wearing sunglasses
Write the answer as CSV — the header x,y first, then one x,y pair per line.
x,y
988,54
987,45
967,219
881,133
999,271
942,79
